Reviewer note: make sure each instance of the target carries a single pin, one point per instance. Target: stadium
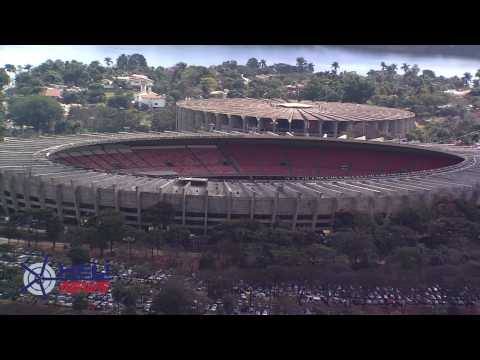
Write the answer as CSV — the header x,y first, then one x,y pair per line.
x,y
219,175
296,118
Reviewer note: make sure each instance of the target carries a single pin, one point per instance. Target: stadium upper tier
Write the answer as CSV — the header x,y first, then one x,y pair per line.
x,y
266,178
302,118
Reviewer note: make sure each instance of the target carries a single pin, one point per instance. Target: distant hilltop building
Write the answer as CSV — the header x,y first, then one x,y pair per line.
x,y
52,92
457,92
145,96
219,94
143,82
151,99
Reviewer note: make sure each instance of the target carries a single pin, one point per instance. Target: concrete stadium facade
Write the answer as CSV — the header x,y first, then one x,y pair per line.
x,y
32,177
300,118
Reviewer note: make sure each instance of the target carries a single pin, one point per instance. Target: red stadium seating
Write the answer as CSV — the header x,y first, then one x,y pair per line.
x,y
259,160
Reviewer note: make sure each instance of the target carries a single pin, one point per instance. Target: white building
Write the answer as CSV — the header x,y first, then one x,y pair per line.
x,y
150,99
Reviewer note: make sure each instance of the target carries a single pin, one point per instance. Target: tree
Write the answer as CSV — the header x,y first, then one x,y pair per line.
x,y
467,77
10,68
405,67
95,94
54,228
262,64
174,299
78,255
108,61
11,231
335,67
356,89
358,247
177,235
120,101
80,302
110,227
253,63
160,215
4,79
228,304
40,112
127,296
301,64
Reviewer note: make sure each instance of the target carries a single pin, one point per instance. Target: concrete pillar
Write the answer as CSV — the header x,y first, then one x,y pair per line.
x,y
274,125
229,206
59,200
76,202
320,128
41,193
333,210
205,213
252,205
305,127
316,212
13,192
297,207
364,128
116,197
275,207
138,194
350,129
244,123
218,122
26,191
2,194
95,196
230,124
335,129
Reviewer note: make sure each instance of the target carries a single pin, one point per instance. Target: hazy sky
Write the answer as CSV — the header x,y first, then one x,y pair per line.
x,y
168,55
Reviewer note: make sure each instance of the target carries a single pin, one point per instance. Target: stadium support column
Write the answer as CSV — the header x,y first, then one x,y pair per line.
x,y
26,189
297,208
350,129
59,200
244,123
335,129
218,122
205,214
184,203
116,198
274,125
305,127
2,195
364,129
76,202
316,212
320,128
275,207
95,196
230,125
41,193
13,192
333,210
138,196
252,205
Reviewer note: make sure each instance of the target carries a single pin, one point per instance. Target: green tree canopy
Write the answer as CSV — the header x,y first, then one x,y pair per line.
x,y
40,112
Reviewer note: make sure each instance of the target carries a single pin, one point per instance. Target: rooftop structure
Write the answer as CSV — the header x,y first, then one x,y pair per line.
x,y
302,118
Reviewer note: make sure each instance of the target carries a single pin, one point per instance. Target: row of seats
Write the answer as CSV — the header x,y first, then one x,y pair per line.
x,y
260,159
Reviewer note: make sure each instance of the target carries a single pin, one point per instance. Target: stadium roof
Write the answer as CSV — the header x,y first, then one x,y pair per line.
x,y
296,110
